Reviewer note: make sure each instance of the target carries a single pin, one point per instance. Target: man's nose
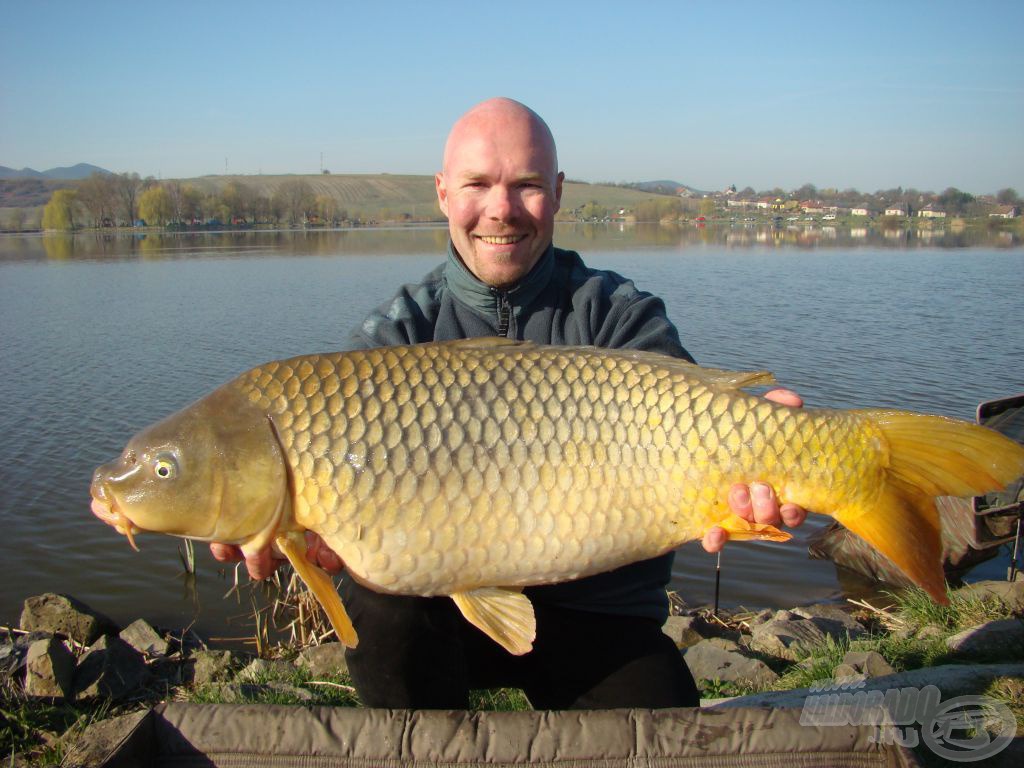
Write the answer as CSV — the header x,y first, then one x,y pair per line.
x,y
502,203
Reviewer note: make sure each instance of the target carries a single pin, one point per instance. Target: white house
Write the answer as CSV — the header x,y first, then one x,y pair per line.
x,y
931,211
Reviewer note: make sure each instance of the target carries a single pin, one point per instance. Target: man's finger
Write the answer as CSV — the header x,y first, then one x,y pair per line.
x,y
225,553
784,397
766,508
714,539
739,502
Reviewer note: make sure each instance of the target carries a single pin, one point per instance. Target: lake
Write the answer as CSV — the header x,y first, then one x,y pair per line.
x,y
102,335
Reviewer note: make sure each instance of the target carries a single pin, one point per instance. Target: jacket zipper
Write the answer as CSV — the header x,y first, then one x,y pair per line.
x,y
504,312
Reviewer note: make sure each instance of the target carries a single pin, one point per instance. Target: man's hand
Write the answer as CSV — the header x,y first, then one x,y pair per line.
x,y
262,564
757,502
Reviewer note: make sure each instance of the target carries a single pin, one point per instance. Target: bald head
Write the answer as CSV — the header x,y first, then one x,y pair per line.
x,y
506,118
500,189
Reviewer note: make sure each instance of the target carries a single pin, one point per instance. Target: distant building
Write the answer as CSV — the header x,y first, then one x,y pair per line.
x,y
1005,212
861,210
897,210
931,211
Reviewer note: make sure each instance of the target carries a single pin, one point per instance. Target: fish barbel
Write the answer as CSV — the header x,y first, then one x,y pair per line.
x,y
474,468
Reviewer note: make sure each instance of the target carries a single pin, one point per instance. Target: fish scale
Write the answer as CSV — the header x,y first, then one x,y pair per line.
x,y
473,468
404,441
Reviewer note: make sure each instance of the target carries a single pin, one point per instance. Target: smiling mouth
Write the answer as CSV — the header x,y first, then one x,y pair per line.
x,y
501,239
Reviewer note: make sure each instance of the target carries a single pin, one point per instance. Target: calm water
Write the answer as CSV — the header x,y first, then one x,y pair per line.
x,y
102,336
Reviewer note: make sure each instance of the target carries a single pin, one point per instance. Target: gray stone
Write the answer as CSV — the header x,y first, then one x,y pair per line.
x,y
262,670
832,620
91,747
141,636
709,661
786,637
65,615
992,637
928,632
49,669
212,666
867,663
111,669
13,652
685,631
326,659
1009,593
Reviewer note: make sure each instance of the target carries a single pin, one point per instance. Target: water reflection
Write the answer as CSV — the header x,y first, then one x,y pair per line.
x,y
585,237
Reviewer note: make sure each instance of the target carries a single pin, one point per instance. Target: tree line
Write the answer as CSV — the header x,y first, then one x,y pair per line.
x,y
125,199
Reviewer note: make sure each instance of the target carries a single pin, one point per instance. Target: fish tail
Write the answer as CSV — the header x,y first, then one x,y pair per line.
x,y
924,457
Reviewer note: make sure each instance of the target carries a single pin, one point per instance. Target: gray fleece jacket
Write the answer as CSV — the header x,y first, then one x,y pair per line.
x,y
563,302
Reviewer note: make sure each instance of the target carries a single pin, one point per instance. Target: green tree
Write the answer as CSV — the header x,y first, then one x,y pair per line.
x,y
98,197
59,213
327,208
593,210
296,199
954,201
16,219
1007,196
156,205
126,189
707,207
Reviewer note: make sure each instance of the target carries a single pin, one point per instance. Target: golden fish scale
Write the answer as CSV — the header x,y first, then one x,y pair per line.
x,y
435,469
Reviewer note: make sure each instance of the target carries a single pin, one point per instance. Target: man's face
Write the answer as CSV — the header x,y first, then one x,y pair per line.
x,y
500,190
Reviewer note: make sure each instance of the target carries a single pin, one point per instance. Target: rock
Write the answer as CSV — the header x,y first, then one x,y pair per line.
x,y
63,614
212,666
928,632
709,661
786,637
991,638
13,652
326,659
141,636
832,620
92,746
866,663
261,670
1009,593
49,669
685,631
111,669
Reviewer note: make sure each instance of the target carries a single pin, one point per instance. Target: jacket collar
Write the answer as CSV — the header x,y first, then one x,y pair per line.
x,y
482,297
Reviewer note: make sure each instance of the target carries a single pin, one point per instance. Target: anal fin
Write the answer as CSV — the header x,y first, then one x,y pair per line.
x,y
504,615
744,530
293,546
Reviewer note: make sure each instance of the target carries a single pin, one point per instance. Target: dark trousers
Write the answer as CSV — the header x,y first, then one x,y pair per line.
x,y
420,653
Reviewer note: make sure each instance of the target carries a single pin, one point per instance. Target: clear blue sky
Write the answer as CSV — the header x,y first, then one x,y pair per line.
x,y
854,94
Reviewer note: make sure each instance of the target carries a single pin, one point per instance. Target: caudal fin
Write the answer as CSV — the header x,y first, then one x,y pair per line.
x,y
927,456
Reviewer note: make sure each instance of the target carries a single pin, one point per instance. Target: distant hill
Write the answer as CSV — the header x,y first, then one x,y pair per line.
x,y
662,187
79,171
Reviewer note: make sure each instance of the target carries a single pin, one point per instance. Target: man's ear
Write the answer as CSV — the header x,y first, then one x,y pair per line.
x,y
442,193
558,190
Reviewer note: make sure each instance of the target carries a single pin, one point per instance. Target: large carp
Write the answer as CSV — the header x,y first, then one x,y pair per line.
x,y
474,468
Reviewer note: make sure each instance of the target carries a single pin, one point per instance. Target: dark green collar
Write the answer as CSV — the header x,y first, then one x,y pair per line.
x,y
471,291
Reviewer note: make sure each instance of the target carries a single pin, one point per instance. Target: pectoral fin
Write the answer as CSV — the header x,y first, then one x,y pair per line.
x,y
504,615
743,530
293,546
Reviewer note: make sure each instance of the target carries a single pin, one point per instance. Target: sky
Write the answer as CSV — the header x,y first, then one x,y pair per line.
x,y
867,95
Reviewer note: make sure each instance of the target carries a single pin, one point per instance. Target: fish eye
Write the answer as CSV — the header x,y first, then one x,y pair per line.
x,y
165,467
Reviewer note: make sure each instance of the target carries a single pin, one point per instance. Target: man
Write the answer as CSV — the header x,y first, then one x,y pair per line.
x,y
599,641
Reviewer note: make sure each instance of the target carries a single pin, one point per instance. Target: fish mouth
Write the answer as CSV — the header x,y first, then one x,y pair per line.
x,y
107,511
